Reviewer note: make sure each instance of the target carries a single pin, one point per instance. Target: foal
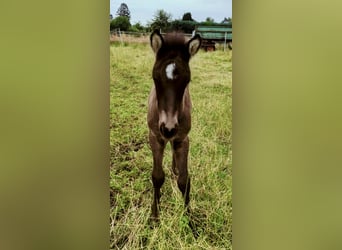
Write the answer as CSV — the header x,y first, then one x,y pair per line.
x,y
169,109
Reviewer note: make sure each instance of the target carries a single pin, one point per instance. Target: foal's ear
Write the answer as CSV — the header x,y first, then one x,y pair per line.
x,y
156,41
194,44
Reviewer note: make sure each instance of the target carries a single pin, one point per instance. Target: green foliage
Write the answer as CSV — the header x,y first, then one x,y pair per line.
x,y
187,17
120,22
228,21
137,28
185,26
161,20
208,21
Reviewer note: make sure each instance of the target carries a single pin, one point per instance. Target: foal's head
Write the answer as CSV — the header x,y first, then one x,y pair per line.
x,y
171,75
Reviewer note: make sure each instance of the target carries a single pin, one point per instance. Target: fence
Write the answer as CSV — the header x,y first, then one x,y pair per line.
x,y
132,37
144,38
129,37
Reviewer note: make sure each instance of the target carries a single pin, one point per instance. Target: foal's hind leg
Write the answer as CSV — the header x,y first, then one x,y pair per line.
x,y
158,176
180,158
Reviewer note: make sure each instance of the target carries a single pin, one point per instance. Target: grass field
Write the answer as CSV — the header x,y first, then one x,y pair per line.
x,y
210,156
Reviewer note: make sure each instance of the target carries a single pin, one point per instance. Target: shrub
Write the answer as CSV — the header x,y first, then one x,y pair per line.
x,y
120,22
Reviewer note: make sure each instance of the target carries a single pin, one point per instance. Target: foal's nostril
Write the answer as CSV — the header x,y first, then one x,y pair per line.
x,y
168,133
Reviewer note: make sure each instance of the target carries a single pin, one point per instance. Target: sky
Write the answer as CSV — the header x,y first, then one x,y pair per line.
x,y
143,10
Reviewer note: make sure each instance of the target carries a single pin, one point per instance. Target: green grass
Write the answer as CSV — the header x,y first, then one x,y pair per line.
x,y
210,157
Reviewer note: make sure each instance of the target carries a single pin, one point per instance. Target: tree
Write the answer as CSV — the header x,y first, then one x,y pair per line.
x,y
162,20
228,21
209,20
187,17
120,22
124,11
184,26
137,27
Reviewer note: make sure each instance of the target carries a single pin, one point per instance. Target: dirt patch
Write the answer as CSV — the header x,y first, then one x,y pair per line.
x,y
123,151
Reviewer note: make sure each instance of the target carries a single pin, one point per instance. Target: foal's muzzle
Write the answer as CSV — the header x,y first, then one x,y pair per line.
x,y
168,124
168,132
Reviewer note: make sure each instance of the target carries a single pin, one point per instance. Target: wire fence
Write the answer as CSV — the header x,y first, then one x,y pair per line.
x,y
129,37
122,37
117,35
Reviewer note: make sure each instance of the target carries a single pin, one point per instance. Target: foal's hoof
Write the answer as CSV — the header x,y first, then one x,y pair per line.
x,y
193,223
193,228
153,221
174,171
174,175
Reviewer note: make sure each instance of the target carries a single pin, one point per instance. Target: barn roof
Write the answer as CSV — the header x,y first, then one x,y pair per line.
x,y
217,32
214,29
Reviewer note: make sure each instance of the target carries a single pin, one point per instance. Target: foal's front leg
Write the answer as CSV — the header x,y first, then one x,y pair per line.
x,y
158,176
180,157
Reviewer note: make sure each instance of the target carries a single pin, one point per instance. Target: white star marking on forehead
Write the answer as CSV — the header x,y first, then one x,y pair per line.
x,y
169,70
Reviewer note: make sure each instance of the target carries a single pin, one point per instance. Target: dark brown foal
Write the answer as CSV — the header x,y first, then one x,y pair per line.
x,y
169,109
